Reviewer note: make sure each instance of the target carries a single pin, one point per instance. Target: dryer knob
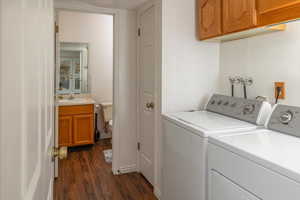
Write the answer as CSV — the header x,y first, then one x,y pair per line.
x,y
286,117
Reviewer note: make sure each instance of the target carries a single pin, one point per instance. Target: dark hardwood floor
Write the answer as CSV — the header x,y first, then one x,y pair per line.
x,y
86,176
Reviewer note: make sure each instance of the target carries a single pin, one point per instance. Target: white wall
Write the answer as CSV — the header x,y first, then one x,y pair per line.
x,y
266,58
127,91
97,31
190,67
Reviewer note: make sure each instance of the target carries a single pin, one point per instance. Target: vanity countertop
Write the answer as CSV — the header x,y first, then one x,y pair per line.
x,y
75,101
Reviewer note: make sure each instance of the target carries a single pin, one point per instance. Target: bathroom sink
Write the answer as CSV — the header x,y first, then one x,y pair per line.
x,y
75,101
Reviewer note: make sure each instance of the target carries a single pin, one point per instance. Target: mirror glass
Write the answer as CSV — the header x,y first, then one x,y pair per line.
x,y
73,70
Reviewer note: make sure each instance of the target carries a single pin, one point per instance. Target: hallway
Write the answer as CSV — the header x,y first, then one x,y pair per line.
x,y
86,176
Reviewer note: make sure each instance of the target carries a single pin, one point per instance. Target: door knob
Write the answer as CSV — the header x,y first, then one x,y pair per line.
x,y
60,152
150,105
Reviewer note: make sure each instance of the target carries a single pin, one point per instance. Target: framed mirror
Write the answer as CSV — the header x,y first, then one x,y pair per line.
x,y
73,69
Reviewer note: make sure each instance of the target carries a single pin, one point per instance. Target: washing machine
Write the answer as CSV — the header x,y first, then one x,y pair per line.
x,y
185,141
260,164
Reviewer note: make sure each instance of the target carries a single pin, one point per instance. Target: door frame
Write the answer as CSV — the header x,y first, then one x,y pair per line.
x,y
83,8
157,94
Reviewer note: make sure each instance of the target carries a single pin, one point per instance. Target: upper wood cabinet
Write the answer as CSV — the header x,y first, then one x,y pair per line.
x,y
219,19
239,15
210,18
275,11
269,5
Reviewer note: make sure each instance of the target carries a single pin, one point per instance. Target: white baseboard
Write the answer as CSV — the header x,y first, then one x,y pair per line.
x,y
127,169
50,190
157,193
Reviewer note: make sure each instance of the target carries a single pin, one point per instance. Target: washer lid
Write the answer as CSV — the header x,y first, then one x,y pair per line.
x,y
212,122
274,150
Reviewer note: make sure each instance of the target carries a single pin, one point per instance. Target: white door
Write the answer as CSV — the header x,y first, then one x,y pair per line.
x,y
26,99
147,93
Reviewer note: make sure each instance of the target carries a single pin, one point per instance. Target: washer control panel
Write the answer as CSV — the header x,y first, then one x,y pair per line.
x,y
239,108
285,119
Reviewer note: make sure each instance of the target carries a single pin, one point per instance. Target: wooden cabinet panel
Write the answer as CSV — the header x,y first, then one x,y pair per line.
x,y
65,131
210,18
76,125
83,129
270,5
76,110
276,11
239,15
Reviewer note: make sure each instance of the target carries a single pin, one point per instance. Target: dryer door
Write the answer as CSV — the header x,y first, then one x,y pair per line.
x,y
222,188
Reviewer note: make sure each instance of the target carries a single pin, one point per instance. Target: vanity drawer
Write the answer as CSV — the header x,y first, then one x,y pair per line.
x,y
76,110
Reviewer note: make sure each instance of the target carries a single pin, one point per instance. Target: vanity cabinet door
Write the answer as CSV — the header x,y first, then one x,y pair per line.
x,y
209,18
65,131
83,129
239,15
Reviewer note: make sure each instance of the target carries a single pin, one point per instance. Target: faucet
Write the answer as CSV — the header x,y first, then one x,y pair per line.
x,y
71,96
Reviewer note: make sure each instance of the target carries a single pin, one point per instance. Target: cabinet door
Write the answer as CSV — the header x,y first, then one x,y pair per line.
x,y
83,129
238,15
276,11
270,5
65,131
209,18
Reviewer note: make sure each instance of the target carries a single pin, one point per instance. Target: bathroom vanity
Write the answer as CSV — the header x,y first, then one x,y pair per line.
x,y
74,105
75,122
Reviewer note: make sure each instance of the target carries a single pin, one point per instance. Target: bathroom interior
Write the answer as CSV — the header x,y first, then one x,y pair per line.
x,y
84,81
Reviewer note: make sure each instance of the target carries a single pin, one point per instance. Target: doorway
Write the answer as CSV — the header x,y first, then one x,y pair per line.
x,y
29,122
84,92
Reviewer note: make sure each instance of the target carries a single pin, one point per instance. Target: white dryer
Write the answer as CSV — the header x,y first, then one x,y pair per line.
x,y
185,140
258,165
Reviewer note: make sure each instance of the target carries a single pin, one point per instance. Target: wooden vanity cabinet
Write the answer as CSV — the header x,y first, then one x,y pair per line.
x,y
238,15
76,125
65,131
83,126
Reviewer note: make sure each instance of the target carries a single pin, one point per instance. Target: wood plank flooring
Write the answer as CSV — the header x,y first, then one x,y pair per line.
x,y
86,176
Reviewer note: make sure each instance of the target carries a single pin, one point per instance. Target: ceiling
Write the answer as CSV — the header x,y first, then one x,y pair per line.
x,y
122,4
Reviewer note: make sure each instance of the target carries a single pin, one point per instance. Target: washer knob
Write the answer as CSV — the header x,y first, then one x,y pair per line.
x,y
248,109
233,105
286,117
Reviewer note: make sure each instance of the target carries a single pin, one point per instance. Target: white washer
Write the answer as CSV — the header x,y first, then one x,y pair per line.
x,y
185,142
261,164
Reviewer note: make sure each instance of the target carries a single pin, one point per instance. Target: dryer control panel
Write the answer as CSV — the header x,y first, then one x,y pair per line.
x,y
243,109
285,119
